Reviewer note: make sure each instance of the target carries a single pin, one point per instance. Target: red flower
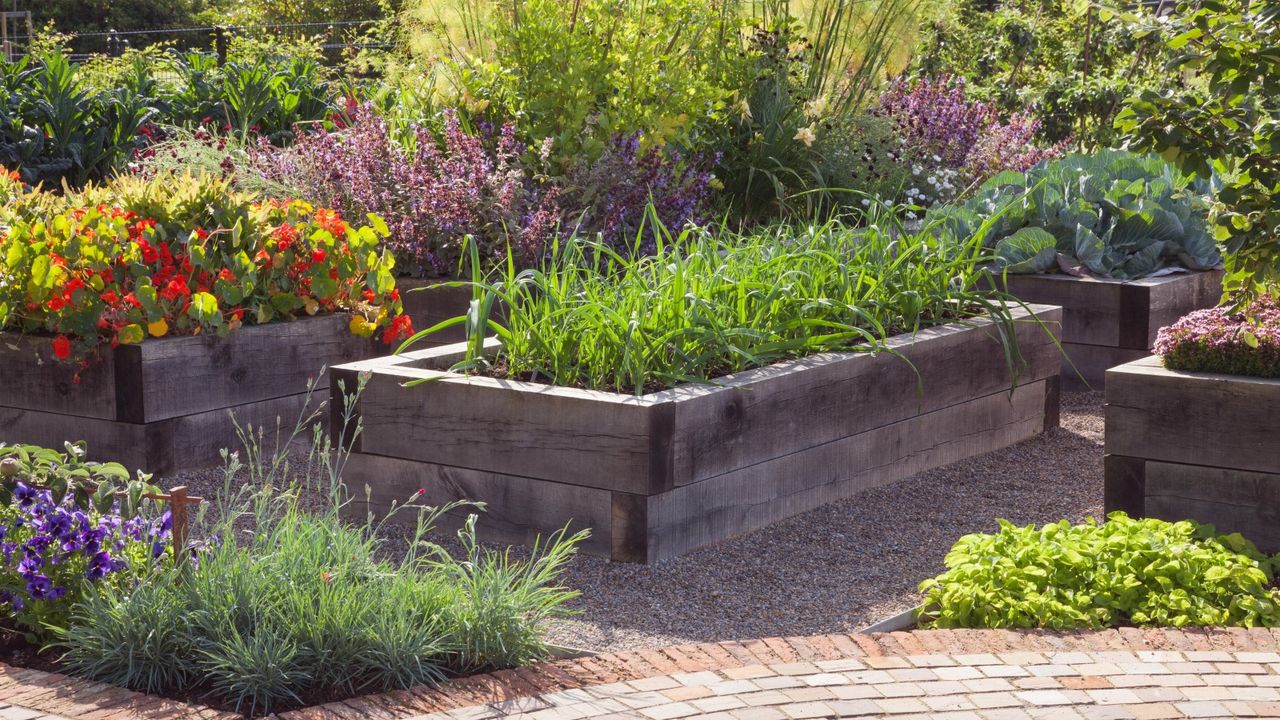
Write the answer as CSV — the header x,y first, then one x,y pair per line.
x,y
56,303
399,329
226,274
318,256
62,347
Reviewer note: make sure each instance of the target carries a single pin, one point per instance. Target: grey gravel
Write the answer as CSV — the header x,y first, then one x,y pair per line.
x,y
845,565
838,568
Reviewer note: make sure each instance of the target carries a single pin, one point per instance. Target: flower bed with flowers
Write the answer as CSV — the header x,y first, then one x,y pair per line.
x,y
65,534
178,255
1243,341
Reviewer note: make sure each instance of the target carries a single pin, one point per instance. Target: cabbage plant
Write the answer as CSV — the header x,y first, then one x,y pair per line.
x,y
1112,214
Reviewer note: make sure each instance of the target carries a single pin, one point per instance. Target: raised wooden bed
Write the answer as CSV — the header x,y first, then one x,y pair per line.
x,y
1110,322
162,405
669,472
1197,446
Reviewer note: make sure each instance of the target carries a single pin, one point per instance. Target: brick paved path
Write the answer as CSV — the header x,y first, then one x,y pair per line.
x,y
944,674
1072,684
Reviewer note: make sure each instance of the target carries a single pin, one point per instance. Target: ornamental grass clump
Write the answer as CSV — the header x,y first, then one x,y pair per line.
x,y
290,603
1121,572
1225,340
712,302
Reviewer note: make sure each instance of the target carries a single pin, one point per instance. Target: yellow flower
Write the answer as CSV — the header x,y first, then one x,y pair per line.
x,y
361,327
815,107
806,136
159,328
744,108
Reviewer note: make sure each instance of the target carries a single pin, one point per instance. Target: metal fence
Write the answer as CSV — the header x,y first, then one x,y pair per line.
x,y
336,39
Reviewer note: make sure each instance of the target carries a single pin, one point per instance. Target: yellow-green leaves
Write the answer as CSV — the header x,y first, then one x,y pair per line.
x,y
1144,571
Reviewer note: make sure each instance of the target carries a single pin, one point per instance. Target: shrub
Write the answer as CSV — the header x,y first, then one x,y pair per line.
x,y
1224,340
1071,64
810,75
1113,214
1145,572
583,72
60,124
712,302
1227,124
184,255
64,536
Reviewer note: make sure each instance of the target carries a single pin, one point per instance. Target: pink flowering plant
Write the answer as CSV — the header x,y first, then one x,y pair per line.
x,y
1242,341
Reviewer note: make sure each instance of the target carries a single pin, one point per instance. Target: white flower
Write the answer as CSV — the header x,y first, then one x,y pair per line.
x,y
806,136
866,202
937,159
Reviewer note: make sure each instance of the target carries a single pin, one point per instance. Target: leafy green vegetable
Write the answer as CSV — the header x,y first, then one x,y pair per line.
x,y
1029,250
1115,214
1146,572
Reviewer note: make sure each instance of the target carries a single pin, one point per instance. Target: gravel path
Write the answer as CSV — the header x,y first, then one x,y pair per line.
x,y
845,565
838,568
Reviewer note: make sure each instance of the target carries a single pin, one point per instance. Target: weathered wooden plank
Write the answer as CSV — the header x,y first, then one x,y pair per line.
x,y
597,440
1119,313
107,440
1091,307
162,447
1195,418
517,508
35,380
716,509
1125,485
1087,369
197,440
1179,295
755,416
188,375
1230,500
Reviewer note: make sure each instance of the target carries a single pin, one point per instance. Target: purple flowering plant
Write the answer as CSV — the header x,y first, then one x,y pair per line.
x,y
1243,341
619,194
64,532
953,142
433,189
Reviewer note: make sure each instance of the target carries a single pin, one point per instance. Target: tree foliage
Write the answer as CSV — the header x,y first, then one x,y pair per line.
x,y
1225,123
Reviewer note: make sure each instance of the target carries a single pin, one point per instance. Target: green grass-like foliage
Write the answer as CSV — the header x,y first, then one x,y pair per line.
x,y
1114,213
712,302
1123,571
303,606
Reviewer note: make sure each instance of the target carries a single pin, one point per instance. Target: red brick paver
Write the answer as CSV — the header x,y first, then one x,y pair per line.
x,y
948,675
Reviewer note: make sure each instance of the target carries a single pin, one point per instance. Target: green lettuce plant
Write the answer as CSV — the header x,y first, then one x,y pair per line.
x,y
1113,214
1123,571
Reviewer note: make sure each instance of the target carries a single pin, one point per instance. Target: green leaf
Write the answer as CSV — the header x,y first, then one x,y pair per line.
x,y
1029,250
